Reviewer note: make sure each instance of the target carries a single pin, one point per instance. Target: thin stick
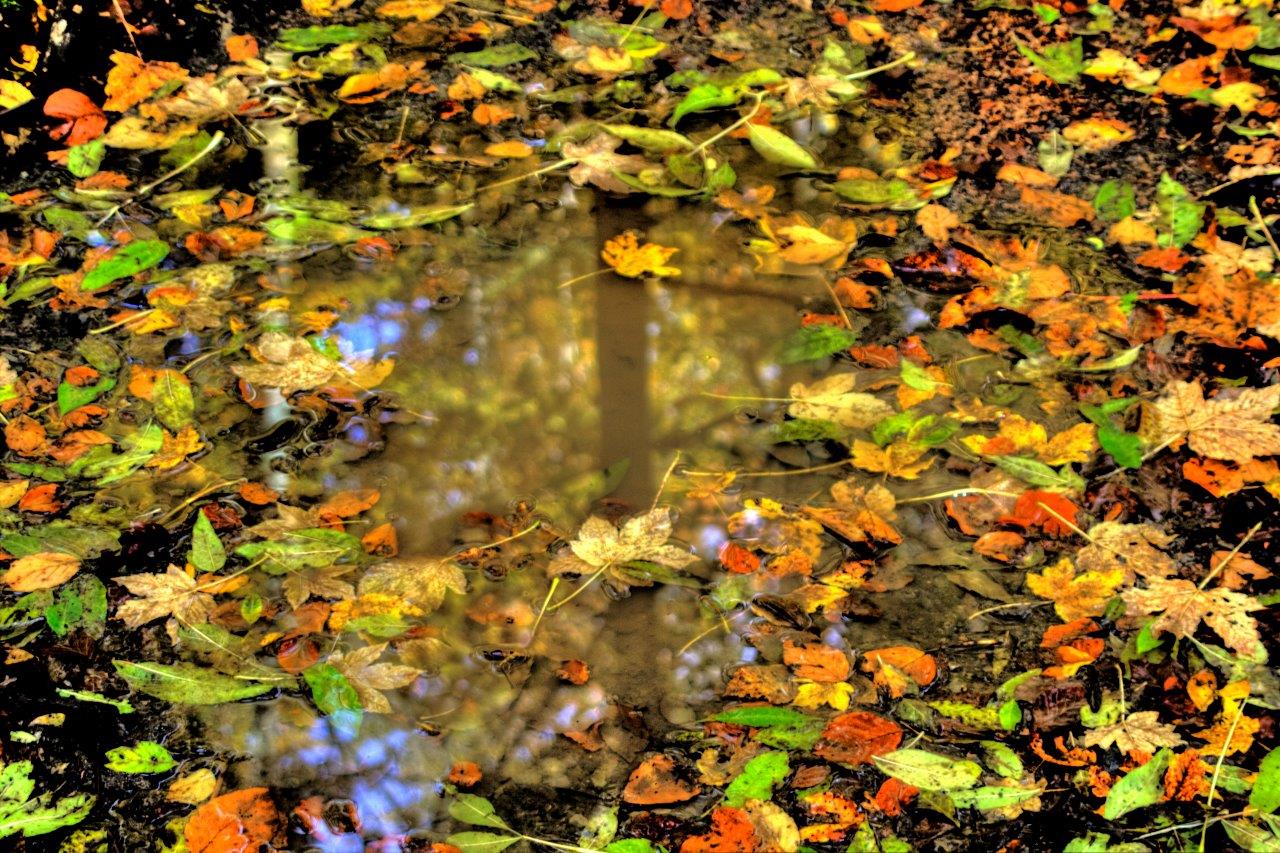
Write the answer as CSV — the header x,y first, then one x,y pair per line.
x,y
128,30
959,493
792,473
1217,570
1217,768
582,277
1262,223
844,316
1012,606
559,164
1065,521
731,128
126,321
901,60
665,477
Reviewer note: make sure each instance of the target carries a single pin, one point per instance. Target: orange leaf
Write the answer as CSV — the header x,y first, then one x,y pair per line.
x,y
854,738
256,493
84,121
1049,511
381,541
1056,635
238,822
737,559
816,662
895,5
574,672
349,503
40,499
917,665
464,774
731,832
240,48
1216,478
999,545
892,796
131,80
1202,688
676,10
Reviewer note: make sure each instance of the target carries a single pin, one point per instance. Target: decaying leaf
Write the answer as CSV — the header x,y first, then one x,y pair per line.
x,y
1237,429
1180,606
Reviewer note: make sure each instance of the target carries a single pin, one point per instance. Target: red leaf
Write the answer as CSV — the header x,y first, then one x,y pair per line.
x,y
238,822
84,120
855,737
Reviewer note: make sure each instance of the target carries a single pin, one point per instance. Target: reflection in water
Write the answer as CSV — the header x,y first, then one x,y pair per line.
x,y
521,388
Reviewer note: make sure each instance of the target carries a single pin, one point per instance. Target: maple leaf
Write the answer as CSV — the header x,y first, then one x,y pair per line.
x,y
203,100
421,582
322,583
860,515
628,258
1182,606
814,694
1075,596
169,593
899,459
832,398
1142,731
1133,548
596,162
1236,429
291,364
131,80
601,545
370,678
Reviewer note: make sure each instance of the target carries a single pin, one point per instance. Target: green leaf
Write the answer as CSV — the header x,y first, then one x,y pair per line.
x,y
1250,837
21,813
987,797
331,690
809,343
1039,474
172,400
1141,787
805,429
498,56
303,39
915,376
188,684
1001,760
1180,216
85,696
1061,63
84,160
630,845
776,147
758,778
893,194
650,138
312,548
758,718
129,259
1114,201
82,603
1265,796
207,553
481,842
72,397
416,216
305,228
147,757
707,96
929,771
476,811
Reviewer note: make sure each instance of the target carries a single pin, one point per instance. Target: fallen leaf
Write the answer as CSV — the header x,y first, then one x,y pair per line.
x,y
237,822
1075,596
1140,731
44,570
1236,429
655,782
856,737
1180,606
628,258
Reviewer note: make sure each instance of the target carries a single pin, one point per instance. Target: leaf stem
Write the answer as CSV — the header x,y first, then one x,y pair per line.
x,y
901,60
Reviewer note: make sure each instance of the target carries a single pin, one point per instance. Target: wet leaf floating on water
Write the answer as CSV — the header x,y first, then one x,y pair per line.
x,y
187,684
629,258
601,545
144,757
833,399
239,821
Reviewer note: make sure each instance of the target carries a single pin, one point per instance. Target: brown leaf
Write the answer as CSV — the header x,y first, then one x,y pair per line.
x,y
1236,429
1182,606
655,782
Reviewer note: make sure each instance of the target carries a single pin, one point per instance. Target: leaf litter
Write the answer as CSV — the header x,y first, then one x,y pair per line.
x,y
1040,372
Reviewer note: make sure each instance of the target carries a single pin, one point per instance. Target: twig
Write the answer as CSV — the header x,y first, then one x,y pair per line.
x,y
1227,559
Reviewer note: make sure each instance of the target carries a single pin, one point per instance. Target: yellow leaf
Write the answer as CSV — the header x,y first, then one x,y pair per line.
x,y
628,258
899,459
811,694
44,570
325,8
1241,737
13,94
1098,134
11,491
193,788
606,60
131,80
514,149
418,10
1244,96
1075,596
